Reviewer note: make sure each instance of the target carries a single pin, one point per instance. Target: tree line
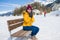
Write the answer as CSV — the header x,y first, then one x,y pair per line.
x,y
35,5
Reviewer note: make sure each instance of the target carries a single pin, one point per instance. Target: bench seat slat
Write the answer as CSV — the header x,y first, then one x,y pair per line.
x,y
17,33
20,33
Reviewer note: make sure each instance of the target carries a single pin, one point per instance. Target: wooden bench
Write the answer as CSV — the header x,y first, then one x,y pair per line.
x,y
13,24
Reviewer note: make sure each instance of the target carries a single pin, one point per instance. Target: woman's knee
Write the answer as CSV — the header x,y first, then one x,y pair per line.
x,y
35,28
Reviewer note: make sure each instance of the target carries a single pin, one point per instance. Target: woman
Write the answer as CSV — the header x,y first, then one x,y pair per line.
x,y
28,21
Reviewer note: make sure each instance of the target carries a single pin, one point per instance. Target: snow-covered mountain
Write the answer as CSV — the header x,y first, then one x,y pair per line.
x,y
55,5
6,13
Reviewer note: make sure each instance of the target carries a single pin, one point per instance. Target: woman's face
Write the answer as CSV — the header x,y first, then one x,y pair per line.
x,y
29,10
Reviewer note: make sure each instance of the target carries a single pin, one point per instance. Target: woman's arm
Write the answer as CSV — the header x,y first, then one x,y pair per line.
x,y
26,17
33,19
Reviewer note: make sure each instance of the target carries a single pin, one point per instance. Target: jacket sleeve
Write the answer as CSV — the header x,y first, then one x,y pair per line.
x,y
33,19
26,18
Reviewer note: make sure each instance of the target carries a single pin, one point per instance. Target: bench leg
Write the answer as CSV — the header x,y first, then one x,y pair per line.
x,y
21,38
24,38
11,38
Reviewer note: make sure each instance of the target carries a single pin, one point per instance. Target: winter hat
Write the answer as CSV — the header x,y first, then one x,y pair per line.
x,y
29,7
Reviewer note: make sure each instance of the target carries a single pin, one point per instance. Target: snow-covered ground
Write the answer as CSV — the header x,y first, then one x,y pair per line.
x,y
49,27
54,13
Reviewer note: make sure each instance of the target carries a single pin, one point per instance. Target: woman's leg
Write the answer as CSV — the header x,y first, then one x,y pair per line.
x,y
35,30
27,28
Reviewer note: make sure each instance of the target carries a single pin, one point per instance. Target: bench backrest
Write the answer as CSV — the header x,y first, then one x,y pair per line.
x,y
12,24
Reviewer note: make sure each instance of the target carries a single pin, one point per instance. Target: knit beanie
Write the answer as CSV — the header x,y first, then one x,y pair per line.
x,y
29,7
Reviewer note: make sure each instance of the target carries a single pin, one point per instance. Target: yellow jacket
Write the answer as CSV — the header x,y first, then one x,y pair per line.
x,y
27,20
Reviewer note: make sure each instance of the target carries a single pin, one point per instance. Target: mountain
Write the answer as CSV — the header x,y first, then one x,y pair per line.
x,y
7,14
57,1
52,4
49,5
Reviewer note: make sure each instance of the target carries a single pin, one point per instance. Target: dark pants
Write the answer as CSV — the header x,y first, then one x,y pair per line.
x,y
34,29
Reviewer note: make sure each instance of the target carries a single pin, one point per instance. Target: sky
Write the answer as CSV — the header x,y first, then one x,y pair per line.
x,y
8,5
